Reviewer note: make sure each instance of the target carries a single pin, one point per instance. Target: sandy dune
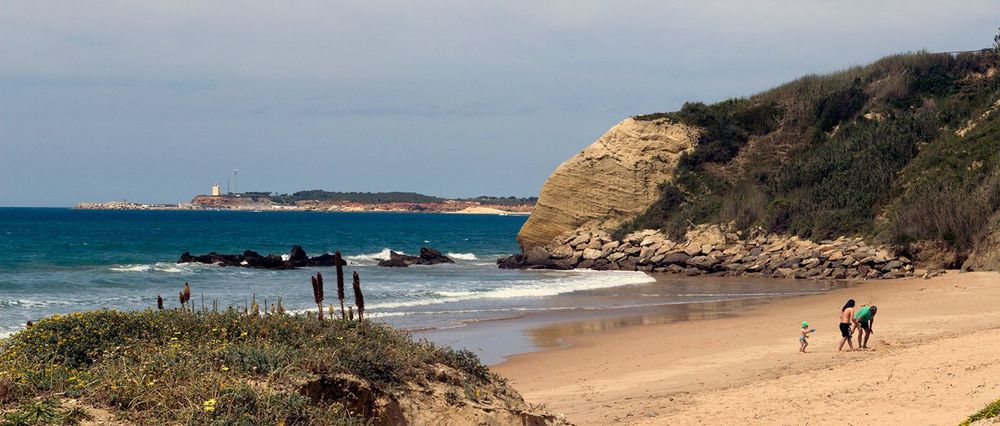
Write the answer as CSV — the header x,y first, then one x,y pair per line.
x,y
935,359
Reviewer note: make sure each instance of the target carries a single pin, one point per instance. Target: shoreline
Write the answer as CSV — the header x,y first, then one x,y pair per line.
x,y
935,347
665,299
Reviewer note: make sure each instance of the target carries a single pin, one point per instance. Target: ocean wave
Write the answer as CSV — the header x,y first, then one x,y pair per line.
x,y
167,267
462,256
370,258
28,303
567,283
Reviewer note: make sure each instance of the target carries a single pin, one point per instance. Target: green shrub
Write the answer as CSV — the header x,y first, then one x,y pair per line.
x,y
210,367
988,412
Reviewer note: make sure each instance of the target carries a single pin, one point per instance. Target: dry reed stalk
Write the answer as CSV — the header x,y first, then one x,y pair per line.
x,y
350,313
159,302
337,260
187,296
317,285
359,299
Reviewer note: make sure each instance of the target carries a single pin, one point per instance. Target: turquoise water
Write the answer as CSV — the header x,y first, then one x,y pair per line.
x,y
62,260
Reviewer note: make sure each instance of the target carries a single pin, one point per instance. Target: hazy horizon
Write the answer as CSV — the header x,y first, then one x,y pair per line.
x,y
155,101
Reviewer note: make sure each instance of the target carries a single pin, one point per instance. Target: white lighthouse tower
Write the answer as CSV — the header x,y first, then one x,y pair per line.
x,y
216,190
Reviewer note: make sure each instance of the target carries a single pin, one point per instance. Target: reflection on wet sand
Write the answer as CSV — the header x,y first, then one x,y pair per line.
x,y
669,299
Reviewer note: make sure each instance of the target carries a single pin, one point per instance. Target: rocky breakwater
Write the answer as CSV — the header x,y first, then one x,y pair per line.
x,y
296,258
717,251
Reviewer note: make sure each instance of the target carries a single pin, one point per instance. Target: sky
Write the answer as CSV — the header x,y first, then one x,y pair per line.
x,y
153,101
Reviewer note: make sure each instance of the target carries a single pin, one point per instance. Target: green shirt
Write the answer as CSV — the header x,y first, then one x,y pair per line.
x,y
864,314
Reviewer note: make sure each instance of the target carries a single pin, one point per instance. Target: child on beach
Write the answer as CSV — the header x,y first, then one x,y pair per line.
x,y
846,319
803,338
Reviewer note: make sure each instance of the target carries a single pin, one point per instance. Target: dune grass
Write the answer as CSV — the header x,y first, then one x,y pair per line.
x,y
988,412
174,366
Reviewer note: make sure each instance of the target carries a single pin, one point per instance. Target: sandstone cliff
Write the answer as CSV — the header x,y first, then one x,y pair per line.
x,y
610,181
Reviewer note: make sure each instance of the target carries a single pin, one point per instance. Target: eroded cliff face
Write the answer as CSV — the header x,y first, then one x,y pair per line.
x,y
609,182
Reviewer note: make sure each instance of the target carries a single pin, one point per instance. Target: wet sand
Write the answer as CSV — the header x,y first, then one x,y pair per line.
x,y
935,359
670,299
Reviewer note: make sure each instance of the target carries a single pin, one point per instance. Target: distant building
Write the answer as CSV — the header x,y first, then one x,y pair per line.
x,y
216,190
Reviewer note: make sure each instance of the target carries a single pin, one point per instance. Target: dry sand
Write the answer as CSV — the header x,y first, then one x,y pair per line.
x,y
935,359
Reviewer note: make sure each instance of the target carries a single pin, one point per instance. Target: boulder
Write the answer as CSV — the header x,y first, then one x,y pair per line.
x,y
397,260
702,262
591,254
429,256
675,258
536,256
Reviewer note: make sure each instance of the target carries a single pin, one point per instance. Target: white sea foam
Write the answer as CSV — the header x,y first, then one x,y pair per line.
x,y
167,267
566,282
286,257
370,258
28,303
462,256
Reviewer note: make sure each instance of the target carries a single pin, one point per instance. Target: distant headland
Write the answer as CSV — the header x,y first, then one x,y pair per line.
x,y
327,201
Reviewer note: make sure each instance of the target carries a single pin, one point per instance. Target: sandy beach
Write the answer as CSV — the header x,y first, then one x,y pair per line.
x,y
934,359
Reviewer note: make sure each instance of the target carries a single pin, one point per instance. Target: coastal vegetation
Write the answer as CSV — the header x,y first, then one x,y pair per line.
x,y
255,365
903,150
991,410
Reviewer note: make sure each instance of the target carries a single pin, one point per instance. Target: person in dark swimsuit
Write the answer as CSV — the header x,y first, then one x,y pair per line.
x,y
846,318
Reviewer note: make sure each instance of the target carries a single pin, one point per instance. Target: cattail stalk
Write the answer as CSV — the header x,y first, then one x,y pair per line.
x,y
359,299
317,284
350,313
159,302
187,295
337,260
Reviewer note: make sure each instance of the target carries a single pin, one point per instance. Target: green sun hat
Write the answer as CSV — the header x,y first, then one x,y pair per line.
x,y
805,324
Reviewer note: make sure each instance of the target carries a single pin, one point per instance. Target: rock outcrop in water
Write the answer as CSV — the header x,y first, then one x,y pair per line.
x,y
714,250
296,258
610,181
428,256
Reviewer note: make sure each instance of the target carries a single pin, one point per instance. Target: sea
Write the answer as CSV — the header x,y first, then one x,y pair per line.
x,y
58,261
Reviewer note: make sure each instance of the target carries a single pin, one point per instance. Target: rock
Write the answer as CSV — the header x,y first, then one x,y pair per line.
x,y
298,257
614,257
615,174
675,258
591,254
397,260
580,239
325,259
891,265
429,256
561,252
516,261
811,263
607,248
702,262
537,256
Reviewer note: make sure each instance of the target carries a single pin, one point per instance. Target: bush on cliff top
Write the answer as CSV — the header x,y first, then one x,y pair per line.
x,y
855,152
209,367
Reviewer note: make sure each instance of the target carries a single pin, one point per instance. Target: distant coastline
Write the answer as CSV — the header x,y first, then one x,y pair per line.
x,y
323,201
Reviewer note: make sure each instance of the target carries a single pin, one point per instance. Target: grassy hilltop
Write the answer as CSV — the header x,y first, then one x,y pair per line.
x,y
905,150
229,367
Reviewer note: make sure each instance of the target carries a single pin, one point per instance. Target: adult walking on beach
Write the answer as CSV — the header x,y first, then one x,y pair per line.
x,y
864,319
846,319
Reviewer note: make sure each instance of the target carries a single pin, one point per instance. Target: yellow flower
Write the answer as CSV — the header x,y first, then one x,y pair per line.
x,y
243,334
224,368
208,405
